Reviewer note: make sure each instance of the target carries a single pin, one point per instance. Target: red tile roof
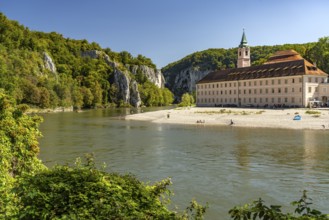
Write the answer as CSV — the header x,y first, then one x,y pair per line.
x,y
282,63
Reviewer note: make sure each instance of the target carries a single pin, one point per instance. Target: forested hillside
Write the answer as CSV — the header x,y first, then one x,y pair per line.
x,y
182,75
47,70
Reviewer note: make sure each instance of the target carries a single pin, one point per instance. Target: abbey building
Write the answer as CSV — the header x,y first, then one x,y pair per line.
x,y
285,80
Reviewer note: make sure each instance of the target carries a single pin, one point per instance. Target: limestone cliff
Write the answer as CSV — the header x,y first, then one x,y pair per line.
x,y
49,64
184,80
122,78
155,76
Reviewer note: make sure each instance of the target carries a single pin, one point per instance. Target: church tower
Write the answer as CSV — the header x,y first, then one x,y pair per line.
x,y
243,52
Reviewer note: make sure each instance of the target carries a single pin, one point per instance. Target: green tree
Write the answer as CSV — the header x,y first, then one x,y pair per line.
x,y
18,150
187,100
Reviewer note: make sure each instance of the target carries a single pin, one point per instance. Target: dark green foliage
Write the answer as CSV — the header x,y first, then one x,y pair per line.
x,y
258,210
84,192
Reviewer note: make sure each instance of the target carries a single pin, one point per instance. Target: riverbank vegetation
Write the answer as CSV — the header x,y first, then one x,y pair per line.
x,y
258,210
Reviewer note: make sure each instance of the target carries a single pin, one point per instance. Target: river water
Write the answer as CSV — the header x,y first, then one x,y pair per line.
x,y
224,166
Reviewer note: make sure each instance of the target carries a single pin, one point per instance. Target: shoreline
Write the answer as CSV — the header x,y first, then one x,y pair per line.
x,y
240,117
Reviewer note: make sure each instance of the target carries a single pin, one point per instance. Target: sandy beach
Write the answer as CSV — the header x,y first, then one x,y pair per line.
x,y
261,118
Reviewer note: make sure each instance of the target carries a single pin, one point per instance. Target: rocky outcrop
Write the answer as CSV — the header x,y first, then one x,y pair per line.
x,y
127,87
49,64
155,76
184,81
94,54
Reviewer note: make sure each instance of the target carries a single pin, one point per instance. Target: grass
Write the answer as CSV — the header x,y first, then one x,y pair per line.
x,y
225,111
313,112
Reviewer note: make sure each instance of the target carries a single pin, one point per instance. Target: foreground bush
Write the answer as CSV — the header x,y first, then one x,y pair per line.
x,y
84,192
258,210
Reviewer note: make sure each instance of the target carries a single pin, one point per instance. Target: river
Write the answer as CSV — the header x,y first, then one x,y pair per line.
x,y
224,166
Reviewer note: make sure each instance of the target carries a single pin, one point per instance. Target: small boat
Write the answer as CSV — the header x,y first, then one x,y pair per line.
x,y
297,117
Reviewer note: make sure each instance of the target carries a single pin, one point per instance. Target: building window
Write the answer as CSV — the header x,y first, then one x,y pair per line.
x,y
285,81
230,85
213,92
279,90
286,90
244,91
300,80
272,90
230,92
309,89
246,52
279,100
300,89
293,80
309,79
217,85
260,91
249,83
255,100
255,91
316,89
217,92
244,83
285,100
234,92
225,85
266,91
266,82
292,89
260,82
240,53
272,81
316,80
279,81
249,91
292,100
239,84
213,85
221,92
255,83
234,85
249,100
272,100
266,100
260,100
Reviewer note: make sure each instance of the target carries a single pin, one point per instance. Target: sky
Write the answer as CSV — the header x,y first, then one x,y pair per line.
x,y
168,30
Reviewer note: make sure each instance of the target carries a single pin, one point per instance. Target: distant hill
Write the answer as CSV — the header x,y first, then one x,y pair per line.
x,y
182,75
47,70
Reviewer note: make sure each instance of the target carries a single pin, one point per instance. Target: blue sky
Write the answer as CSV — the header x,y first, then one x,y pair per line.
x,y
168,30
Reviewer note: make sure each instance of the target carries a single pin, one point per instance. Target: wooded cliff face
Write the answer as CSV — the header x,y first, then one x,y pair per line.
x,y
47,70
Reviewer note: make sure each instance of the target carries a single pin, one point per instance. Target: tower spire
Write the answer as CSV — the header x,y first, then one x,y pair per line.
x,y
243,52
243,42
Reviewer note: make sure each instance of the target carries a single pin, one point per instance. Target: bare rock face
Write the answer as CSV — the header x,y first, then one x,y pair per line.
x,y
184,81
127,87
49,64
155,76
135,99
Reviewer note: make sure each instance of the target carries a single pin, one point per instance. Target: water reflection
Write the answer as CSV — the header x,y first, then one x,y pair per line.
x,y
224,166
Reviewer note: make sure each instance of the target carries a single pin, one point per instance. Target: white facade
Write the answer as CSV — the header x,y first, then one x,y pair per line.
x,y
290,91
